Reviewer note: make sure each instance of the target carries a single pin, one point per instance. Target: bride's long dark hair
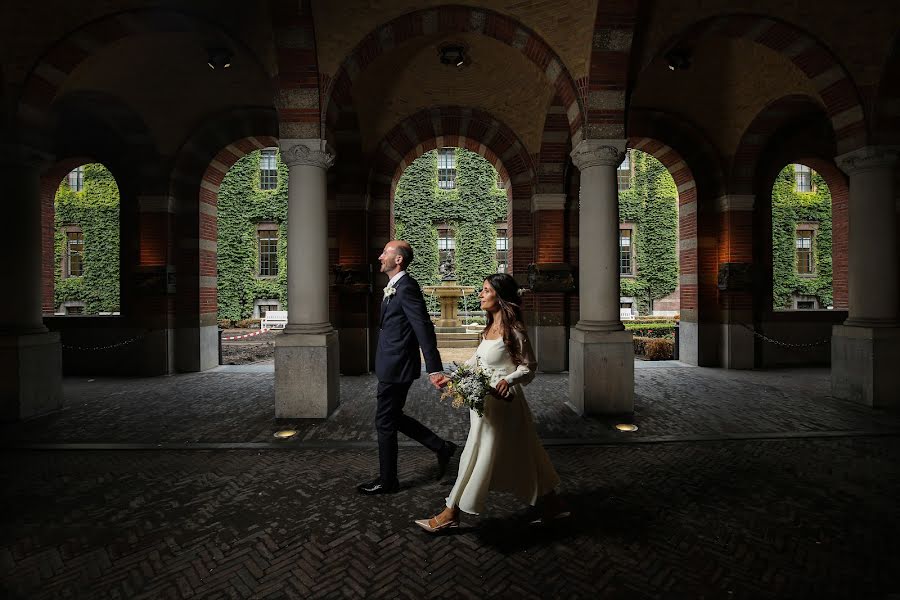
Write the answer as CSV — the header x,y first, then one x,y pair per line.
x,y
510,312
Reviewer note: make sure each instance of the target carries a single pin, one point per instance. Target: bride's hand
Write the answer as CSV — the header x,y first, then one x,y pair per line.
x,y
502,388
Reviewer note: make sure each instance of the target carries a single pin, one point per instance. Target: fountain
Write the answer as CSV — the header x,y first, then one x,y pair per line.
x,y
449,329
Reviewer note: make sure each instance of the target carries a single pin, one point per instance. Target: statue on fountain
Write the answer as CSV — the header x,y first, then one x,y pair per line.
x,y
448,273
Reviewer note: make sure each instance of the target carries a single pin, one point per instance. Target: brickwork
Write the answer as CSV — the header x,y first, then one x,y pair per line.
x,y
338,95
608,75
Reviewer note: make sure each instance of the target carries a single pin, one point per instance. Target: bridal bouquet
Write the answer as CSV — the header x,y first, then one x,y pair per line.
x,y
468,386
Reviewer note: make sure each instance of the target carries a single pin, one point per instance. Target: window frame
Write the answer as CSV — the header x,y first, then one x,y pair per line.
x,y
626,172
78,172
446,170
267,228
807,172
812,229
628,226
66,267
268,177
502,265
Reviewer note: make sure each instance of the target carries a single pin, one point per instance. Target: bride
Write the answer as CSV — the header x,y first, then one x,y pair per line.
x,y
503,452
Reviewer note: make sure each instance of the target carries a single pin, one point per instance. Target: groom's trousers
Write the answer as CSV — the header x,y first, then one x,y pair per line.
x,y
389,419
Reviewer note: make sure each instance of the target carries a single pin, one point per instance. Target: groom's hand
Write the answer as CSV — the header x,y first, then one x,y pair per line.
x,y
438,380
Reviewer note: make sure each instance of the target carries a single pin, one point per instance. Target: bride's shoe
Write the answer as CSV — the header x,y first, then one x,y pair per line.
x,y
435,525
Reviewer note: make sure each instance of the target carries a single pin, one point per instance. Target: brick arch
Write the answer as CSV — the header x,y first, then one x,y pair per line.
x,y
552,160
831,79
338,91
771,118
199,168
696,167
50,72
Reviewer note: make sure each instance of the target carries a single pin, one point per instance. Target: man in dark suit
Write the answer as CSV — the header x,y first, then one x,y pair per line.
x,y
405,326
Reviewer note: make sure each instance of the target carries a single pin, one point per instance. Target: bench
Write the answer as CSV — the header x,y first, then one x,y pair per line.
x,y
274,319
625,314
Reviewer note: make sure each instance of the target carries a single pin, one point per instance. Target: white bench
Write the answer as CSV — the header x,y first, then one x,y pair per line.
x,y
625,314
274,319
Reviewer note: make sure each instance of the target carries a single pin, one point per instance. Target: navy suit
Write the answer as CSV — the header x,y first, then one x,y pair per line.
x,y
405,326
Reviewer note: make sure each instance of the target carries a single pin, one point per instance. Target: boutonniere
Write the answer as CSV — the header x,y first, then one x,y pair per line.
x,y
389,291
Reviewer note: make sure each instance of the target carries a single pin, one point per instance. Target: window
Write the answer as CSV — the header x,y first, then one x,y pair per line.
x,y
499,181
802,178
805,263
626,264
74,253
447,168
268,170
446,243
623,173
74,310
76,179
502,249
806,305
264,308
267,236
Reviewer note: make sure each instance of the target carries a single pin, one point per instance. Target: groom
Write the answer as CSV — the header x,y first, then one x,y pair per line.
x,y
405,325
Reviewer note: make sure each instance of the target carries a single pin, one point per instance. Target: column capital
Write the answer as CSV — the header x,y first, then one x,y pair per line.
x,y
868,158
548,202
308,152
20,154
595,153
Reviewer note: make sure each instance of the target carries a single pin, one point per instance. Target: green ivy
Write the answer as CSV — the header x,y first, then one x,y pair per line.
x,y
472,208
789,208
651,203
95,209
241,206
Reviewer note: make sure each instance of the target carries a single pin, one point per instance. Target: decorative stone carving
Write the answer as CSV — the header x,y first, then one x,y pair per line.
x,y
598,153
867,158
302,154
551,277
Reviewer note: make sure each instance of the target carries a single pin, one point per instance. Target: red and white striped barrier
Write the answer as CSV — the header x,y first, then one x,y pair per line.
x,y
246,335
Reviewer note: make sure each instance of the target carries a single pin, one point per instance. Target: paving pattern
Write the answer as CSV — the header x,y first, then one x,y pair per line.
x,y
735,519
671,402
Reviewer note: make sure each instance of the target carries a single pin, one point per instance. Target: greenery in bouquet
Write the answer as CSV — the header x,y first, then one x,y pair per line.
x,y
468,386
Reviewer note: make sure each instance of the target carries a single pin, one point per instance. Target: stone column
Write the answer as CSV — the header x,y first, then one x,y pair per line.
x,y
307,356
549,335
30,355
865,349
601,358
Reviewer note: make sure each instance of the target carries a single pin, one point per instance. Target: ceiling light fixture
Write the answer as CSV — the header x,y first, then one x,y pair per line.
x,y
219,58
678,59
453,54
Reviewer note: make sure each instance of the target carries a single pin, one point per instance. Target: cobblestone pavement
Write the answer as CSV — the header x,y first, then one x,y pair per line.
x,y
671,402
798,518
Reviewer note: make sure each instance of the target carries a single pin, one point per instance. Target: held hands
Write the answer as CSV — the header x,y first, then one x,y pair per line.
x,y
438,380
501,390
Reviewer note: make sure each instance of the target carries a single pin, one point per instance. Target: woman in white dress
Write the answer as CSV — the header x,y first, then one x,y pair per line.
x,y
503,451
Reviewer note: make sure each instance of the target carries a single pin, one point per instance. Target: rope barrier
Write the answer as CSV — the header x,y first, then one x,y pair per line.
x,y
785,344
246,335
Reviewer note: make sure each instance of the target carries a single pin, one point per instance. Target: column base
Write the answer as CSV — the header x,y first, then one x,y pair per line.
x,y
550,347
864,365
307,379
737,349
30,376
601,372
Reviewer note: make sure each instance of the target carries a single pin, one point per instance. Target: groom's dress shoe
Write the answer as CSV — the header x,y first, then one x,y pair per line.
x,y
443,457
377,487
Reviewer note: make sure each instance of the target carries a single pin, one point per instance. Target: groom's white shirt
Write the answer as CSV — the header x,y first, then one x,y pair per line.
x,y
391,283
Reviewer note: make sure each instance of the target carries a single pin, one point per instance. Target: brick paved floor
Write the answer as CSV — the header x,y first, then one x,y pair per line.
x,y
671,402
797,518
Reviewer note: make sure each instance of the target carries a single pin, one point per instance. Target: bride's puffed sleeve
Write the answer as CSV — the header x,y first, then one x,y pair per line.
x,y
525,371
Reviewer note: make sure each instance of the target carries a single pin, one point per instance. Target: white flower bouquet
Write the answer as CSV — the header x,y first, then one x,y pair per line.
x,y
468,386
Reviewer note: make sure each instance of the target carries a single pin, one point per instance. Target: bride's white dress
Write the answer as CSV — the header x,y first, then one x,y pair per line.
x,y
503,451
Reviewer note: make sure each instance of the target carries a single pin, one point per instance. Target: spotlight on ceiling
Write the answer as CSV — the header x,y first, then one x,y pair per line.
x,y
219,58
453,54
678,59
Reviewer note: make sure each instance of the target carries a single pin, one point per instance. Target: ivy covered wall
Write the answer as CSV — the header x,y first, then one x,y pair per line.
x,y
241,207
790,208
471,209
651,203
95,209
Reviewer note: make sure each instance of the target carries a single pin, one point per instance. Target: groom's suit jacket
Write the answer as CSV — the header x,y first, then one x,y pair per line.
x,y
405,326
